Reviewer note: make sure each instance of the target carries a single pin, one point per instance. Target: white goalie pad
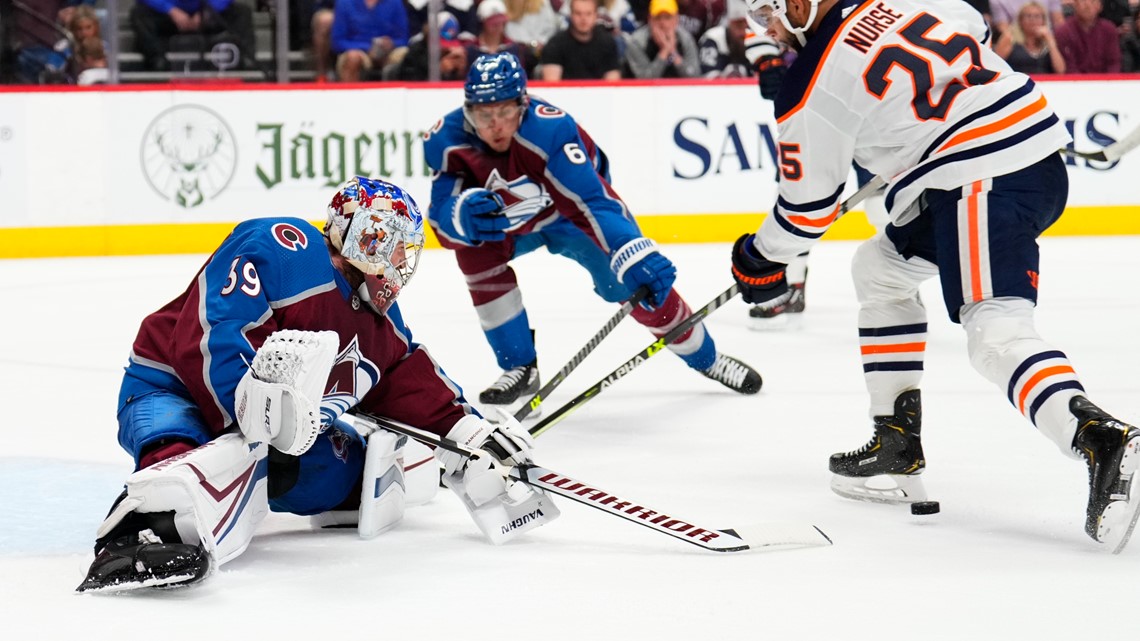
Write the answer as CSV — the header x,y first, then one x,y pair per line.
x,y
278,400
502,509
892,489
217,493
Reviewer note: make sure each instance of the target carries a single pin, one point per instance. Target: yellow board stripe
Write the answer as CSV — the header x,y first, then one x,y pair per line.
x,y
203,238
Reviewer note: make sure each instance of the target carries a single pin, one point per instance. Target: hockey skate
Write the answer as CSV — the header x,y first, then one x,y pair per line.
x,y
781,312
1112,451
734,375
887,468
516,386
142,560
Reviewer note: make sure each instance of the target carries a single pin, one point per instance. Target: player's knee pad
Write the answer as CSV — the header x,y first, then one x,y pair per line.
x,y
998,329
398,473
881,275
217,493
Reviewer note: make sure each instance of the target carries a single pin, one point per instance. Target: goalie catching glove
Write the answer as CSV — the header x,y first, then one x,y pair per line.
x,y
278,401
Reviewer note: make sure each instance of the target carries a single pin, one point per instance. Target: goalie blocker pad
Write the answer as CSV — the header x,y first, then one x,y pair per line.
x,y
217,492
501,509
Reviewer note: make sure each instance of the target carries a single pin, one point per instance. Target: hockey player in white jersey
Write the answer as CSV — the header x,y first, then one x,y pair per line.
x,y
908,89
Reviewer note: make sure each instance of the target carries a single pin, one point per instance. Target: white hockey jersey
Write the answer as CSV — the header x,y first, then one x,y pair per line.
x,y
909,90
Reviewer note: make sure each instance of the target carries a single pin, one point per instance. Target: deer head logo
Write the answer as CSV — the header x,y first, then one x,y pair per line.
x,y
189,155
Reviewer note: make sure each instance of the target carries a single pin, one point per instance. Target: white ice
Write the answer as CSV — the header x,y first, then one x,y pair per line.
x,y
1006,558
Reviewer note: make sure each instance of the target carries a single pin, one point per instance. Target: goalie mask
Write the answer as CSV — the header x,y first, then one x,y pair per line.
x,y
763,12
378,229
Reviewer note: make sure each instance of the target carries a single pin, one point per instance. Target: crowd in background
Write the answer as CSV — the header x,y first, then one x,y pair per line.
x,y
61,41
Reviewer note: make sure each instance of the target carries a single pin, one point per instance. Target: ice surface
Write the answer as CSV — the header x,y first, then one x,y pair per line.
x,y
1006,558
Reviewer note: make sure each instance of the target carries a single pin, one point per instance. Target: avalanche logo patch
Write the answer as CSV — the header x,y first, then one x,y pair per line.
x,y
289,237
352,376
524,199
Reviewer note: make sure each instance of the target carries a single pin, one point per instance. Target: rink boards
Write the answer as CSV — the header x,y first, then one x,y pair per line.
x,y
157,170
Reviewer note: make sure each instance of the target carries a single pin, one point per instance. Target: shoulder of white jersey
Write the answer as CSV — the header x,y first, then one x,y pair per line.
x,y
447,132
715,37
802,74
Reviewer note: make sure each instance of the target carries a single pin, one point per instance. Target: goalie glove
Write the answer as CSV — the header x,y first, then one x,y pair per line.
x,y
760,279
505,439
279,399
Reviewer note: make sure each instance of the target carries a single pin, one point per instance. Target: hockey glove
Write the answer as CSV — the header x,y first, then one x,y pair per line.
x,y
507,441
638,264
760,279
770,71
474,217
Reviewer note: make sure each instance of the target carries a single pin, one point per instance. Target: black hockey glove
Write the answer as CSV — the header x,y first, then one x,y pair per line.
x,y
760,279
770,70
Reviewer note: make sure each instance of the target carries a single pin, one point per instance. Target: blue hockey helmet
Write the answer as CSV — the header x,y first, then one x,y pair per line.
x,y
495,77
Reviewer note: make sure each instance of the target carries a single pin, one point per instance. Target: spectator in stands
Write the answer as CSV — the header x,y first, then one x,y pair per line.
x,y
698,16
462,10
532,22
90,62
615,15
320,29
721,48
493,38
156,21
1089,43
1029,46
584,51
1130,44
662,49
368,35
82,23
1118,12
35,34
1005,14
453,55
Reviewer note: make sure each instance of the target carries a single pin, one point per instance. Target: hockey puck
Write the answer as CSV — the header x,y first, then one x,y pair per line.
x,y
925,507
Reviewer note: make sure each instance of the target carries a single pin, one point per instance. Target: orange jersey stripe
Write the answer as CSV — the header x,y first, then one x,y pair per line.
x,y
973,240
1037,378
893,349
804,221
993,127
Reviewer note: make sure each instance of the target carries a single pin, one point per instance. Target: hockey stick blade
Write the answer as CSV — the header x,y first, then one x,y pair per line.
x,y
631,364
544,392
712,539
1111,153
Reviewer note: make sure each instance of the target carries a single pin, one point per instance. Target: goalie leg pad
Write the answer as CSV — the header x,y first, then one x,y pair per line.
x,y
501,509
382,495
421,473
217,493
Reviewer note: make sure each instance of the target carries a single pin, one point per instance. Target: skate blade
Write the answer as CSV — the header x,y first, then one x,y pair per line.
x,y
1119,518
172,582
779,323
889,489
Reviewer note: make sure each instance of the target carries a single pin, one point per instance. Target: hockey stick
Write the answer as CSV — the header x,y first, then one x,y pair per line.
x,y
554,382
638,358
713,539
1111,153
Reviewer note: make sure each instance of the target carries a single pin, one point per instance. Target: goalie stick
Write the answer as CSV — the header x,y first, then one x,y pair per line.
x,y
631,364
712,539
536,400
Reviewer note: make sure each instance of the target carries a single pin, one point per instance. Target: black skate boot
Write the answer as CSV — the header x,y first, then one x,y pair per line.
x,y
777,314
1112,450
894,454
515,384
734,375
144,550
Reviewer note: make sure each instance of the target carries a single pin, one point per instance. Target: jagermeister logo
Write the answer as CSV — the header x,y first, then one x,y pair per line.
x,y
305,153
188,155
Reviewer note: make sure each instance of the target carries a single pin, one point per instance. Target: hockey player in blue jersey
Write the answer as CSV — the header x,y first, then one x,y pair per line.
x,y
515,173
234,400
